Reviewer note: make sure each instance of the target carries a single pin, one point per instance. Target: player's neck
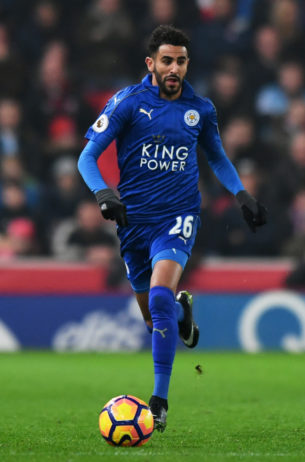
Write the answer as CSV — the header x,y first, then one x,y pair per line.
x,y
170,97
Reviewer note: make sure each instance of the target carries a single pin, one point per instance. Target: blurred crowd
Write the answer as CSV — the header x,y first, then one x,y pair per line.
x,y
61,60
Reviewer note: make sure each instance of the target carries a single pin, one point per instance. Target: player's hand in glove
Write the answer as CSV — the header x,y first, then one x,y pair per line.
x,y
111,206
254,212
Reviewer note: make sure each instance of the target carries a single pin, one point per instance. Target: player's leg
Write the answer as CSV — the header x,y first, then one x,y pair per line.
x,y
152,303
162,267
165,277
170,251
174,241
188,329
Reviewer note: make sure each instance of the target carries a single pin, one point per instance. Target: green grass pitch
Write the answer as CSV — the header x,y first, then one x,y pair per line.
x,y
241,408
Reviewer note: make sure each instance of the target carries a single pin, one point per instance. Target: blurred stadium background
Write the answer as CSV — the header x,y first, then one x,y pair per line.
x,y
62,282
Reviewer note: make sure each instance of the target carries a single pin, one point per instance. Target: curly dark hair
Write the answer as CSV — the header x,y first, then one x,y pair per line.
x,y
167,34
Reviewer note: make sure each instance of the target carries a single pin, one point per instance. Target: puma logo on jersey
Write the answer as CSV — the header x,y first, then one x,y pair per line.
x,y
161,331
145,112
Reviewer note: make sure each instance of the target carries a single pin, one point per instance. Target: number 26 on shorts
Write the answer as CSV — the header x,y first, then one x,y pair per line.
x,y
184,226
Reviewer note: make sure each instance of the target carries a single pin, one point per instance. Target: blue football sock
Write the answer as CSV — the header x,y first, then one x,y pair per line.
x,y
164,338
161,385
180,311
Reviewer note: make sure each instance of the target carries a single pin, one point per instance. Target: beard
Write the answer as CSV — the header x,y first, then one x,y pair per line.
x,y
164,87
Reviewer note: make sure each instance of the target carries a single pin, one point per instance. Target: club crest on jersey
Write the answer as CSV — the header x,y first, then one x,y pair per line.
x,y
191,117
101,124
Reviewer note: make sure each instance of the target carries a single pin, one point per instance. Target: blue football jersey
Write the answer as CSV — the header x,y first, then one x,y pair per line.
x,y
156,148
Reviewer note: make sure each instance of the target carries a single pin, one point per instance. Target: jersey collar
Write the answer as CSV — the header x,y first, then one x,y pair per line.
x,y
187,90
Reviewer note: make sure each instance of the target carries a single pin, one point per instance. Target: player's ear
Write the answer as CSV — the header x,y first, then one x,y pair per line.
x,y
149,63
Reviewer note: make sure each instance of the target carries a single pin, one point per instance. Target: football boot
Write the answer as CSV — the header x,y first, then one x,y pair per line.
x,y
188,329
158,407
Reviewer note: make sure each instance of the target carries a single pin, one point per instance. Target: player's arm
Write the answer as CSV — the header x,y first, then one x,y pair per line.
x,y
105,129
254,213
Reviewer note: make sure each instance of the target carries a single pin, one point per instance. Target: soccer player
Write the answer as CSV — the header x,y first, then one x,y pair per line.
x,y
157,125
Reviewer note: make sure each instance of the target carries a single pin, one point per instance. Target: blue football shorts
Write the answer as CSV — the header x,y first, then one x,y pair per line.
x,y
143,245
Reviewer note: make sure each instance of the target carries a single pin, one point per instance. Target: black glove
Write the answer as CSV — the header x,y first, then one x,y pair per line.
x,y
254,212
111,207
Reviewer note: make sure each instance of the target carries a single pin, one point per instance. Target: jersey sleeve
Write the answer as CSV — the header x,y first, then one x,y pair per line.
x,y
221,165
87,166
105,129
